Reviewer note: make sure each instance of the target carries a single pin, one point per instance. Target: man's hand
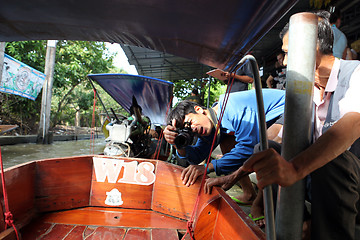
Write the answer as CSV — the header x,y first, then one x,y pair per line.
x,y
225,182
271,167
191,173
169,133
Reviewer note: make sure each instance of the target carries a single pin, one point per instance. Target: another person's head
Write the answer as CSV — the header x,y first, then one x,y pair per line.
x,y
280,58
195,114
325,37
335,18
195,92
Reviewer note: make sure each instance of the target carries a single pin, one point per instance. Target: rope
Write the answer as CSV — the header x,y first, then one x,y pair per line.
x,y
8,215
92,135
191,221
160,139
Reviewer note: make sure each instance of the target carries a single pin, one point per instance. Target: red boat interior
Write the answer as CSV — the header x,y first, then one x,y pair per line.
x,y
70,198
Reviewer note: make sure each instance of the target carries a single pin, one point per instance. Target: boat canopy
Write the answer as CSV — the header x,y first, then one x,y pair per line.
x,y
153,95
211,32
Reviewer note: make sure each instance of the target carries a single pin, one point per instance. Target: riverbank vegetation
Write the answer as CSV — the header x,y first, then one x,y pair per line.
x,y
73,97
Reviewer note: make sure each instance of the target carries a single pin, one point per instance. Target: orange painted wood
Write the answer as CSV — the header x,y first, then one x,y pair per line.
x,y
115,217
76,233
133,195
233,223
206,220
58,231
171,196
89,231
136,234
20,185
161,234
226,219
63,183
106,233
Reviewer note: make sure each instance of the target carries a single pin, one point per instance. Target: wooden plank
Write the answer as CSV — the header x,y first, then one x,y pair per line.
x,y
233,223
7,128
161,234
205,222
8,234
76,233
170,195
58,231
20,184
136,234
35,229
107,233
63,183
115,217
133,194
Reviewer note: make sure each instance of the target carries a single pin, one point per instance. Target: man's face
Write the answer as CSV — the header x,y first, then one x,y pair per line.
x,y
280,59
199,121
285,47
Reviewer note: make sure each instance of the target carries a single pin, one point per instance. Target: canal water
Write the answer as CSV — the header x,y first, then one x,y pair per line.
x,y
21,153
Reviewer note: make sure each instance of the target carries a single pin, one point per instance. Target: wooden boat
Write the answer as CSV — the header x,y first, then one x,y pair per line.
x,y
99,197
7,128
63,198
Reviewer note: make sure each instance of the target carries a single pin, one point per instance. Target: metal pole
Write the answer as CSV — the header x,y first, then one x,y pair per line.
x,y
268,196
298,112
208,98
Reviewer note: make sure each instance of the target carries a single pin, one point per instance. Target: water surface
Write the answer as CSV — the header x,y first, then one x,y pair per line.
x,y
25,152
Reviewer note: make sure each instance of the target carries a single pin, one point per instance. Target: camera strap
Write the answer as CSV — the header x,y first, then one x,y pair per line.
x,y
215,122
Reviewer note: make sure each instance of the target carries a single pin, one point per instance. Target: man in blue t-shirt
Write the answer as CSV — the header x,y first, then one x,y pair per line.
x,y
239,132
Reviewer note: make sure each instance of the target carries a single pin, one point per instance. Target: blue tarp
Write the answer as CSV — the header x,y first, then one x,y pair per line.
x,y
153,95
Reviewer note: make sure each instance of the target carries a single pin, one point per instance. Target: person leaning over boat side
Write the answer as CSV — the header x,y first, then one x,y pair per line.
x,y
333,158
239,132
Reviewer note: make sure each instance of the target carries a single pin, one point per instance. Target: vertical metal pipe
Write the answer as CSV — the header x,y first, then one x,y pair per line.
x,y
298,112
208,98
268,195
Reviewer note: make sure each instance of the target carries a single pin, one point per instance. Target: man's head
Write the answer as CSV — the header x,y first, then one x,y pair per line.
x,y
195,114
195,92
280,58
325,37
335,18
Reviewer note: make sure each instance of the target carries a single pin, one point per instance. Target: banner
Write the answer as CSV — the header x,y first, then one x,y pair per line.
x,y
21,79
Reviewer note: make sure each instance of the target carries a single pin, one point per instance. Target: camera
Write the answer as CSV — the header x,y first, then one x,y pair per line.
x,y
185,136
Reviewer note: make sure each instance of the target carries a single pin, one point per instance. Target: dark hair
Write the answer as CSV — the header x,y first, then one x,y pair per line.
x,y
325,34
335,16
195,91
180,111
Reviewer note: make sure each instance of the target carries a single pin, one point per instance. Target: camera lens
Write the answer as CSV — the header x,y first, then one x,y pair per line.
x,y
183,139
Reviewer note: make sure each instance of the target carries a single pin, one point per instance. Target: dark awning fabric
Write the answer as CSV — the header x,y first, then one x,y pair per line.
x,y
153,95
211,32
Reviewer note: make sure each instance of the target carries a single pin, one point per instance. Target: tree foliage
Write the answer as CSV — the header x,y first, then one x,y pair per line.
x,y
72,92
183,88
74,61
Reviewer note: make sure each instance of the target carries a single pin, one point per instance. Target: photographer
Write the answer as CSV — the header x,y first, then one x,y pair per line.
x,y
239,133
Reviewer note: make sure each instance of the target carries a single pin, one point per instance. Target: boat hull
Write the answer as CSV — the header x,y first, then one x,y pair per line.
x,y
106,198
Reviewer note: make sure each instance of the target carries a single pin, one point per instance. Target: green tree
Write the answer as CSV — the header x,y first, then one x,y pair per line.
x,y
74,61
183,88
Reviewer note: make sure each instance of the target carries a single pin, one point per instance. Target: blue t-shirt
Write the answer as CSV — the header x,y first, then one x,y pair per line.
x,y
241,119
340,42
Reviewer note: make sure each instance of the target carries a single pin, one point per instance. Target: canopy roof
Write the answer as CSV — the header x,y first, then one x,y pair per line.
x,y
211,32
153,95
